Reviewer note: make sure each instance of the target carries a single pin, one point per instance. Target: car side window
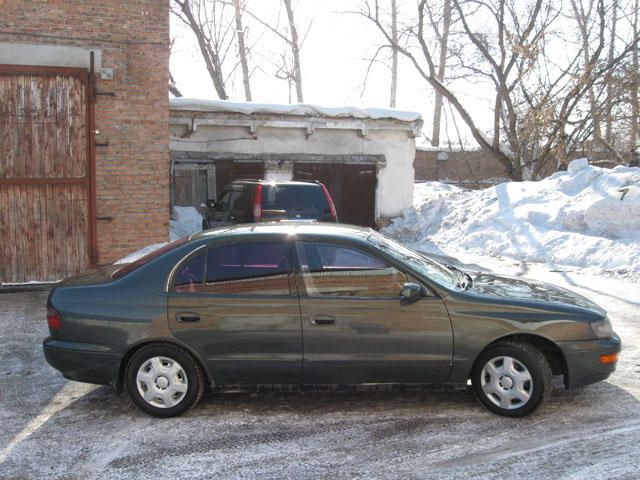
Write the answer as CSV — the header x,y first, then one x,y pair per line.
x,y
337,270
191,274
248,268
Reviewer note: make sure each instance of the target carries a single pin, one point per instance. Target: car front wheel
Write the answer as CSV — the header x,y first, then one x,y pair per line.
x,y
512,379
164,380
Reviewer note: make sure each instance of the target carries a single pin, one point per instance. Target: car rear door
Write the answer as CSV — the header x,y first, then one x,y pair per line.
x,y
232,302
355,326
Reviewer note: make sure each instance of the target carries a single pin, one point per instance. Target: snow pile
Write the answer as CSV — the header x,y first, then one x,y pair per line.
x,y
585,217
184,222
250,108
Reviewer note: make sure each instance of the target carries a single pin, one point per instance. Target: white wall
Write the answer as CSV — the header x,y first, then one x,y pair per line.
x,y
393,139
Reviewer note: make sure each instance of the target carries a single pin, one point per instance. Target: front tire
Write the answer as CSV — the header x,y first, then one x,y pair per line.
x,y
512,379
164,380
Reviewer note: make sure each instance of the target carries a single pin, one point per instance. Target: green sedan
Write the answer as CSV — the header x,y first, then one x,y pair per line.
x,y
318,304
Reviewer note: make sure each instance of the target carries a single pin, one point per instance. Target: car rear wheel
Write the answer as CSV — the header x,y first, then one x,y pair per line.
x,y
512,379
164,380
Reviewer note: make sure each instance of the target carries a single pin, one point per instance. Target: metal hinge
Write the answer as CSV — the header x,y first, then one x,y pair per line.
x,y
94,255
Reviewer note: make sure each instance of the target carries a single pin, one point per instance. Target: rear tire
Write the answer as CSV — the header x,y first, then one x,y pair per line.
x,y
164,380
512,379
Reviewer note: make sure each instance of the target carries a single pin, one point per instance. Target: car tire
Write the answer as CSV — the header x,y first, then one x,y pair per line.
x,y
164,380
512,379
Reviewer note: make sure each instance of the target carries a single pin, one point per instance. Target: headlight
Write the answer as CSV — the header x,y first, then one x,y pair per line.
x,y
602,328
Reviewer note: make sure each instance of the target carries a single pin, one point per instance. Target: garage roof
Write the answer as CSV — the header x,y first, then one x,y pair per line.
x,y
249,108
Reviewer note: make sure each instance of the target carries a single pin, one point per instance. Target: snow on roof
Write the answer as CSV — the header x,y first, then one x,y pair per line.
x,y
248,108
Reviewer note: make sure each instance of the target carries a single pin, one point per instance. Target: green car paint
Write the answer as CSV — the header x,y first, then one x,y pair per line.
x,y
295,339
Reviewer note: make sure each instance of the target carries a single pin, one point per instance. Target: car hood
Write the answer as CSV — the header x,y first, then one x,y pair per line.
x,y
522,290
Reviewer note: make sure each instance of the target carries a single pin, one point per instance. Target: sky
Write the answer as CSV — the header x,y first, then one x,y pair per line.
x,y
334,57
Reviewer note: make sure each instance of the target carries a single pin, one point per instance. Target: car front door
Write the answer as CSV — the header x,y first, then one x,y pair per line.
x,y
356,328
233,304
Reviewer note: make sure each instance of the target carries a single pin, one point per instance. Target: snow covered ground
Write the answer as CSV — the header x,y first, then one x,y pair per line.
x,y
56,429
587,217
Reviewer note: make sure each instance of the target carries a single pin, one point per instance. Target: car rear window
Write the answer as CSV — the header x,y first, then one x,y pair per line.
x,y
130,267
293,198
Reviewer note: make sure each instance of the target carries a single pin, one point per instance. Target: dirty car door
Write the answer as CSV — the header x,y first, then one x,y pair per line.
x,y
232,303
357,329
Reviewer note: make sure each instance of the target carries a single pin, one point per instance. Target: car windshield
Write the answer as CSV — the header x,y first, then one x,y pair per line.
x,y
426,266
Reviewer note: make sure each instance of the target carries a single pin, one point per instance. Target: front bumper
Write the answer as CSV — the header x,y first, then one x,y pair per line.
x,y
83,362
582,358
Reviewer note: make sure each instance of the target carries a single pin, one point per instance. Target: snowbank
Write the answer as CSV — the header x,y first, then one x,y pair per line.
x,y
576,218
184,221
249,108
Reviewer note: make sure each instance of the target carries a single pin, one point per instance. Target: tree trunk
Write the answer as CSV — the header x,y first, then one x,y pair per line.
x,y
608,121
437,111
295,49
394,54
211,59
242,51
173,88
635,85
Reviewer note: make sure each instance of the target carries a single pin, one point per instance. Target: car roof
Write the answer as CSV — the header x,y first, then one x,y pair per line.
x,y
335,230
275,182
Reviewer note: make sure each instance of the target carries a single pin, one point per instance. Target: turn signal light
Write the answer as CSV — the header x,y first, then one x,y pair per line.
x,y
611,358
53,318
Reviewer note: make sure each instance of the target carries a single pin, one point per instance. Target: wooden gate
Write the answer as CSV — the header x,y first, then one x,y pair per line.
x,y
46,193
352,187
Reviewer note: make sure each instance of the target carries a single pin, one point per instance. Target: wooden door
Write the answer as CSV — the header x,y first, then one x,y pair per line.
x,y
45,174
352,187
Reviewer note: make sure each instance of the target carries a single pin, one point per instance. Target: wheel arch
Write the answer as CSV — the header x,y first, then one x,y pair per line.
x,y
552,353
118,380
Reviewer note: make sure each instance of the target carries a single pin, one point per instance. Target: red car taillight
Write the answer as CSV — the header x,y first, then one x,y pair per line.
x,y
332,207
257,204
53,318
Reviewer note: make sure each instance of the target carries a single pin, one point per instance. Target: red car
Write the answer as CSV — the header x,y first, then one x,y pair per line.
x,y
251,201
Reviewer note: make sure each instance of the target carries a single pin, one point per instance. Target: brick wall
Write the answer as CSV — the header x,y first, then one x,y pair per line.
x,y
132,172
474,168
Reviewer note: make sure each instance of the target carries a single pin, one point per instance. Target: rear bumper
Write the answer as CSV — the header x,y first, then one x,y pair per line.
x,y
83,362
583,360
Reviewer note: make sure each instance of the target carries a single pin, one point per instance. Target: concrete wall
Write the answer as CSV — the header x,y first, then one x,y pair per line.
x,y
132,164
286,134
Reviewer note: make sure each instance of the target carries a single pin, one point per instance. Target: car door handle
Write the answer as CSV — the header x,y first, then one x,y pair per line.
x,y
187,317
323,320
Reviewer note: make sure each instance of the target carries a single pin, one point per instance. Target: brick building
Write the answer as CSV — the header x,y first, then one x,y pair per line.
x,y
84,156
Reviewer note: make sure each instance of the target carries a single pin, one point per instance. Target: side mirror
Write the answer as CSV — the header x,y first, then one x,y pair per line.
x,y
211,203
411,292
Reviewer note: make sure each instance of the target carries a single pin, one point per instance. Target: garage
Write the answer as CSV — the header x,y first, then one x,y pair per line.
x,y
363,156
352,187
45,174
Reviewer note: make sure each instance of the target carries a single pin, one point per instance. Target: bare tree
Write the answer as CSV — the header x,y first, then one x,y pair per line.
x,y
288,70
213,27
394,54
443,40
173,88
295,50
242,50
635,86
536,98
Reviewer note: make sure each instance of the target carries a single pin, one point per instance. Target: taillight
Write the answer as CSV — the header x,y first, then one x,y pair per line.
x,y
53,318
257,204
332,207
